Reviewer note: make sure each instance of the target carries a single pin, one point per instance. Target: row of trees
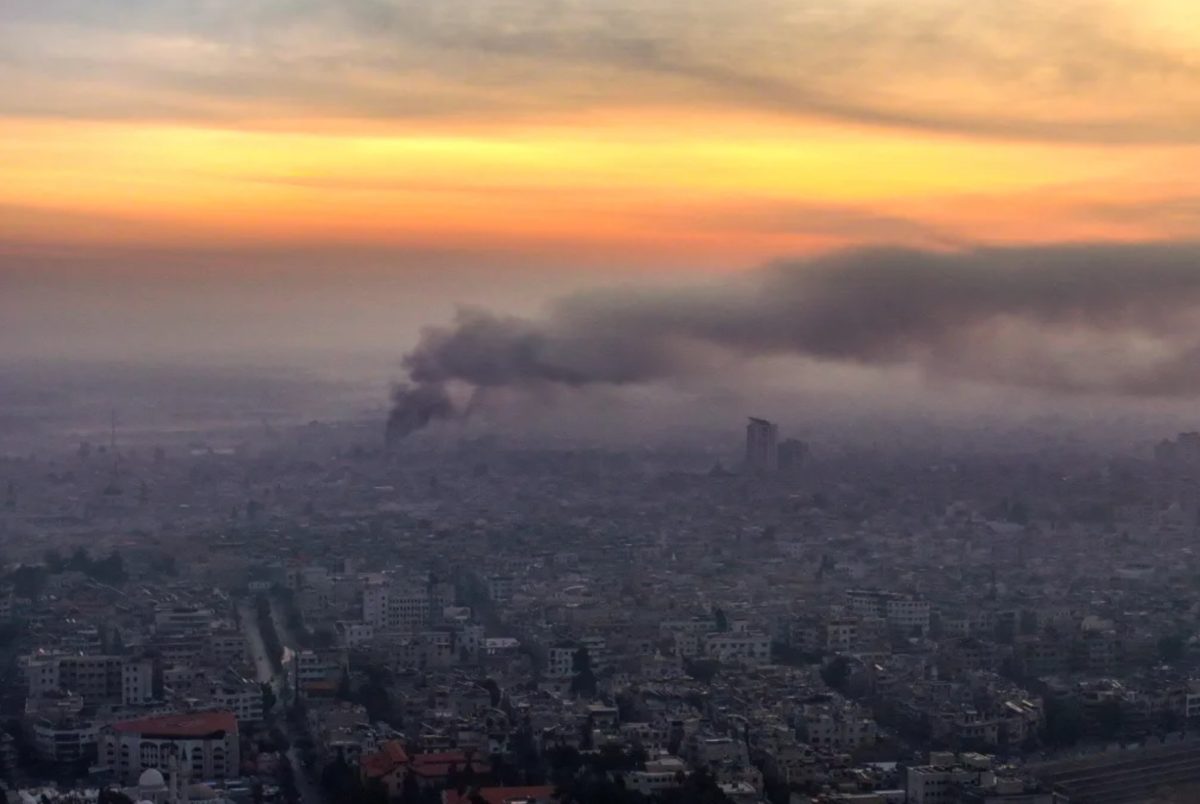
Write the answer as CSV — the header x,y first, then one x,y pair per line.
x,y
110,569
270,636
29,580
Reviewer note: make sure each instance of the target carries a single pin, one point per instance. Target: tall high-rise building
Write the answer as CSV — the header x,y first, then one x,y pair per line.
x,y
762,446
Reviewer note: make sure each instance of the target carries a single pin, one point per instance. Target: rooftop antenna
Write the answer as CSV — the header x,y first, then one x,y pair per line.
x,y
112,430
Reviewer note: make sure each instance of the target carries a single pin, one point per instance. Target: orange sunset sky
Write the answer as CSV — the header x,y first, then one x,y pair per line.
x,y
642,136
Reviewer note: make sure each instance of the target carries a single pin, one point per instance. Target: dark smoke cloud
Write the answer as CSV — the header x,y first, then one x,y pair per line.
x,y
414,407
1104,319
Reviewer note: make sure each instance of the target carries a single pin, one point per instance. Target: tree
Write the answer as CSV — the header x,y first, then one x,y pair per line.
x,y
79,560
374,696
269,699
344,691
1064,722
581,661
720,619
836,673
1170,649
703,670
28,581
54,561
1110,719
110,570
410,791
584,681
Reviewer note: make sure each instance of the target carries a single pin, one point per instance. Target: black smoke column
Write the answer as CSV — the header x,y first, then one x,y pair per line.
x,y
414,407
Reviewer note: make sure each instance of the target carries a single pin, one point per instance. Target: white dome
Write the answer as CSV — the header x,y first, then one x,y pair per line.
x,y
151,779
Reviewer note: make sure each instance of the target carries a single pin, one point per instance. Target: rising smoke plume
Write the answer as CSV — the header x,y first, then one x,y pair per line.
x,y
414,407
1106,319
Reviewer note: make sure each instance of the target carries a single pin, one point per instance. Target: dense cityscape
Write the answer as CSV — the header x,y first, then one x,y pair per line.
x,y
304,612
599,402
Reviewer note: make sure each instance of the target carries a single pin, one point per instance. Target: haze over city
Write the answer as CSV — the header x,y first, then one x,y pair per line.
x,y
599,402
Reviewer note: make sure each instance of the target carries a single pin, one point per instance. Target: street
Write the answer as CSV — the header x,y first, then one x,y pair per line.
x,y
310,792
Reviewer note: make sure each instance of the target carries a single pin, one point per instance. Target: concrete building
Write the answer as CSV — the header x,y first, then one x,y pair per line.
x,y
500,588
41,674
97,678
64,742
226,647
743,648
660,774
560,661
393,607
313,666
137,682
902,612
946,776
245,701
207,741
762,446
354,634
173,619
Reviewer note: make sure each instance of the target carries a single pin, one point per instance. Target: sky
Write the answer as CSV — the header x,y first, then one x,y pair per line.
x,y
203,173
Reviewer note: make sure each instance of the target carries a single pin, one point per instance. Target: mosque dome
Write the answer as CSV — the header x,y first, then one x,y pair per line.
x,y
151,779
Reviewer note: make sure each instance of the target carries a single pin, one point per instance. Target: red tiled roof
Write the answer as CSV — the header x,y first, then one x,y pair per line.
x,y
502,795
198,724
439,764
385,761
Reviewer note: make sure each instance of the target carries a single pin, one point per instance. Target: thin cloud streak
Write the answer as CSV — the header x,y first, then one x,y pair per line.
x,y
1087,71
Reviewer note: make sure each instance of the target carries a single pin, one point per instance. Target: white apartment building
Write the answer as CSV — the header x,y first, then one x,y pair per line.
x,y
387,607
64,742
841,635
745,648
839,730
354,634
908,615
597,648
560,661
709,750
168,619
312,666
246,702
660,774
901,611
41,673
941,781
438,648
137,682
500,588
226,647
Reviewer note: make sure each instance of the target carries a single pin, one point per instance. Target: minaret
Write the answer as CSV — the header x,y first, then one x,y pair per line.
x,y
173,775
185,773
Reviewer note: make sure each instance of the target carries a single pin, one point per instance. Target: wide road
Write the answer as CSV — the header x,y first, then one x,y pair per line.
x,y
263,669
310,792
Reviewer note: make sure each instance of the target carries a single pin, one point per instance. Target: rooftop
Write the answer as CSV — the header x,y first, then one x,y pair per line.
x,y
199,724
